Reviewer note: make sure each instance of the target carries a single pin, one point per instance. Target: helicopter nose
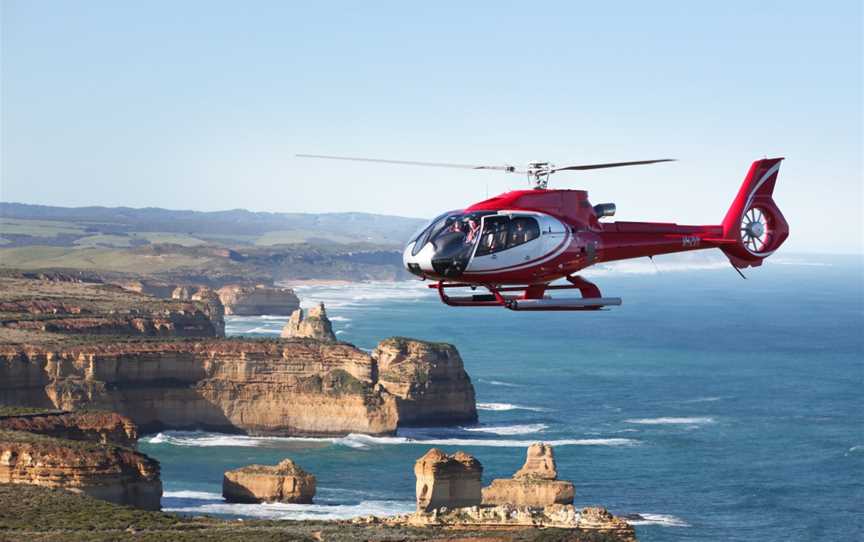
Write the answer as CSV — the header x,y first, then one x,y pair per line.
x,y
414,263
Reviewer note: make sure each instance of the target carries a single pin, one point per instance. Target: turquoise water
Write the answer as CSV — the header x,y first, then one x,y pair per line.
x,y
714,407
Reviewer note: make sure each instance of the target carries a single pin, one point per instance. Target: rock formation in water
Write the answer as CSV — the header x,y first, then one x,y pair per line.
x,y
273,387
78,452
312,325
450,481
534,484
285,482
428,380
258,300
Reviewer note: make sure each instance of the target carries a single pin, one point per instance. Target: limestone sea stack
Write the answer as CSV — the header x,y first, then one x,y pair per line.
x,y
451,481
534,485
312,325
258,300
285,482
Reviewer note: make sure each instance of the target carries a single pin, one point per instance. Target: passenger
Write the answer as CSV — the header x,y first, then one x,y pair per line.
x,y
519,235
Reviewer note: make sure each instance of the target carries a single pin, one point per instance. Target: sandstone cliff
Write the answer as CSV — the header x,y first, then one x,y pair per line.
x,y
257,300
106,472
276,387
285,482
64,308
100,427
312,325
68,345
428,379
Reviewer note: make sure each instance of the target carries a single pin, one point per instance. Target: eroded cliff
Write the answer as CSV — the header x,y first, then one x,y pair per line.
x,y
275,387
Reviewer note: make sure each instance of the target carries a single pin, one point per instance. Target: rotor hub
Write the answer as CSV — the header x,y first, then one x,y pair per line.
x,y
756,229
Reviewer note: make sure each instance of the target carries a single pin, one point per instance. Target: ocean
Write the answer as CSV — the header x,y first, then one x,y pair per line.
x,y
715,408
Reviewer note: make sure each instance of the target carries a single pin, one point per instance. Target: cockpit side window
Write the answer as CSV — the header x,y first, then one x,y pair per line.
x,y
494,236
522,230
503,232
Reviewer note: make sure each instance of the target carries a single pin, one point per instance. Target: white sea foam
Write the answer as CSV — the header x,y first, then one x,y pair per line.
x,y
363,441
500,383
696,420
201,439
525,429
359,441
196,495
273,317
703,400
339,332
508,406
339,319
295,511
658,519
856,449
358,294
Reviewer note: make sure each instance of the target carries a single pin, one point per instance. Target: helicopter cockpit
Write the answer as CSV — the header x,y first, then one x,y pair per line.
x,y
447,244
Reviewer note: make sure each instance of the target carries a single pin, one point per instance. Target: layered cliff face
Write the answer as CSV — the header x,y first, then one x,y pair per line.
x,y
284,387
285,482
64,308
428,380
100,427
107,472
256,300
165,379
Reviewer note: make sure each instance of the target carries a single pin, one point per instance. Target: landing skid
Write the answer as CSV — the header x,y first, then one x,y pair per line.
x,y
532,298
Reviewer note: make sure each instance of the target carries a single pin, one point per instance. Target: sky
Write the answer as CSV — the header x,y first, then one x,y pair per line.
x,y
203,105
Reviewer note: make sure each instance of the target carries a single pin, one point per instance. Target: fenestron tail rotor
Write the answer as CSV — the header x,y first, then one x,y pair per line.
x,y
538,172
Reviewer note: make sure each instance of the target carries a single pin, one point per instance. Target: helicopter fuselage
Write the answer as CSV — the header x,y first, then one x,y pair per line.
x,y
524,240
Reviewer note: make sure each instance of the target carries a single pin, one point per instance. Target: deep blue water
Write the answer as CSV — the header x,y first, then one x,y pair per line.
x,y
719,408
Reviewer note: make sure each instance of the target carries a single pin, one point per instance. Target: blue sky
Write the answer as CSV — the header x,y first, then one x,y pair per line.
x,y
202,105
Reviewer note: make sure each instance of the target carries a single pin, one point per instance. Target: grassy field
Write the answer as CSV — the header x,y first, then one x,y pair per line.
x,y
95,258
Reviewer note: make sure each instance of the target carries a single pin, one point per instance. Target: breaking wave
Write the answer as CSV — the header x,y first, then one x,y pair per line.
x,y
217,506
359,441
510,429
696,420
194,495
499,383
502,407
656,519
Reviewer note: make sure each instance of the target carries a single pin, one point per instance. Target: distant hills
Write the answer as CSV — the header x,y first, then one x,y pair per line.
x,y
84,225
204,247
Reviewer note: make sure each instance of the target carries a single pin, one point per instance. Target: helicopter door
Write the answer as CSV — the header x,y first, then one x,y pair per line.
x,y
506,241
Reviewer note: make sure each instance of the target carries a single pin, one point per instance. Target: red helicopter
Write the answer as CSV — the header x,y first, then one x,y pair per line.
x,y
517,244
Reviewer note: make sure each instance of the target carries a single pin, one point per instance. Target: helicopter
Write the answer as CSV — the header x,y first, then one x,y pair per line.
x,y
517,245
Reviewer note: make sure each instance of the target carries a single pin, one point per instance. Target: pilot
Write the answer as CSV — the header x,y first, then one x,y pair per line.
x,y
473,229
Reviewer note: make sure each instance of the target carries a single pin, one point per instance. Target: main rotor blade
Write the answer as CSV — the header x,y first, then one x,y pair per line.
x,y
508,169
612,164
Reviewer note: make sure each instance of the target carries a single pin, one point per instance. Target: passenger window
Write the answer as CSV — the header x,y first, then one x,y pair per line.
x,y
494,236
522,230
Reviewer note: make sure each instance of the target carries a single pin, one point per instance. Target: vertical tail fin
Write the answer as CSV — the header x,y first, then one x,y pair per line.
x,y
753,220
